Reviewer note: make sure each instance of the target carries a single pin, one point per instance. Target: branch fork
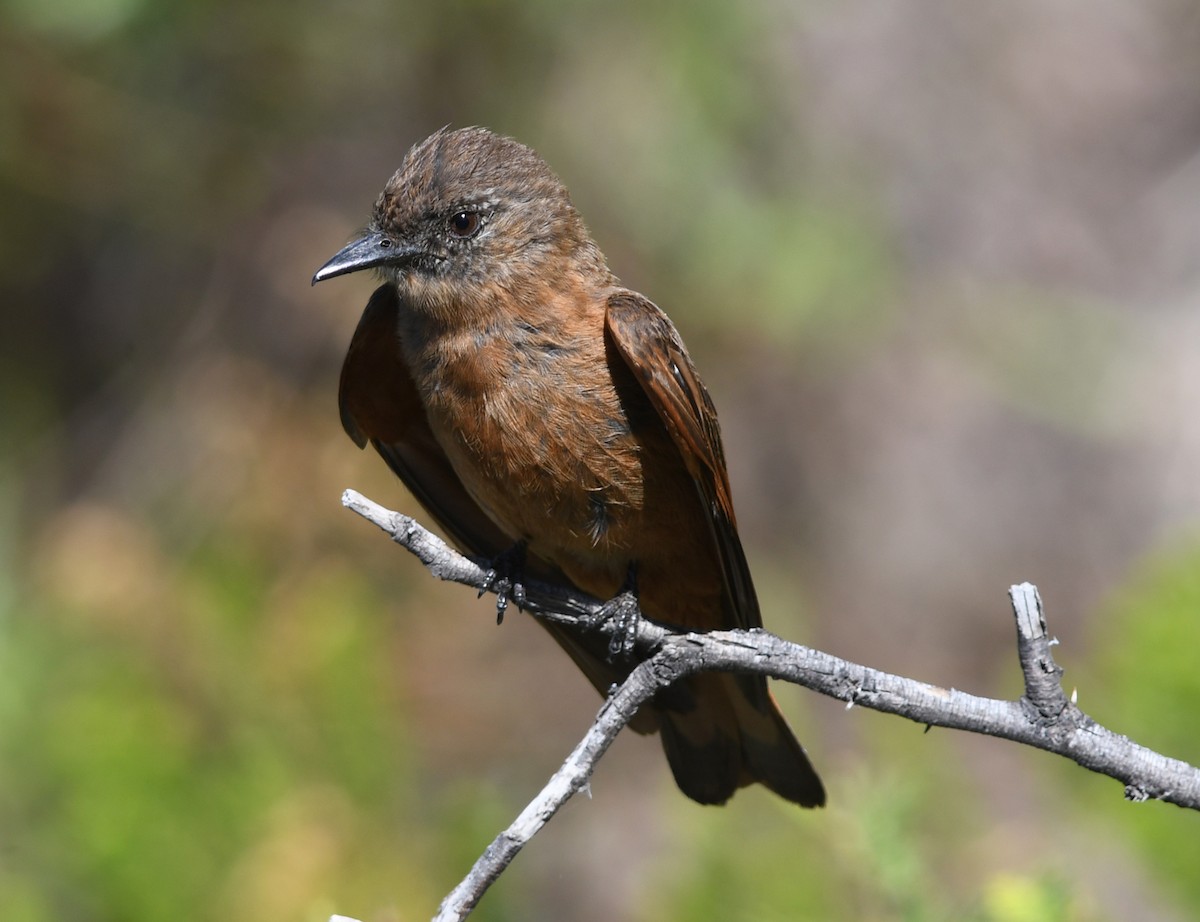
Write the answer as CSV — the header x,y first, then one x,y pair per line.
x,y
1044,717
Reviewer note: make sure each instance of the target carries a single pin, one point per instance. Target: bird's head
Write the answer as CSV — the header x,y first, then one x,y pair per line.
x,y
468,208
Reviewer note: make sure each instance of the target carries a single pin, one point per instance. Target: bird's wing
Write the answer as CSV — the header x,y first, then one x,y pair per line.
x,y
654,351
380,404
735,733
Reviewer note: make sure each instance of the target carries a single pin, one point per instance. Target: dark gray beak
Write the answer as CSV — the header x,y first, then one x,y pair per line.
x,y
372,249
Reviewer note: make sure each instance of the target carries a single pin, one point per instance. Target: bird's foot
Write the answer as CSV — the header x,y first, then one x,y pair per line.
x,y
504,577
624,613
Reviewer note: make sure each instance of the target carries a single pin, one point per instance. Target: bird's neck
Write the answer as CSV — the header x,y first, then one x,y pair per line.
x,y
471,338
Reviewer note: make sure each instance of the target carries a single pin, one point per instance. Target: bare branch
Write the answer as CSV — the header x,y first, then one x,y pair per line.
x,y
1044,717
646,679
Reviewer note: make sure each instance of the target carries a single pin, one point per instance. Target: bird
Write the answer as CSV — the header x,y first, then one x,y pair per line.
x,y
552,421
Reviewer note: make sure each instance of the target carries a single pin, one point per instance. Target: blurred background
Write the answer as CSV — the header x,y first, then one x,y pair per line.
x,y
938,265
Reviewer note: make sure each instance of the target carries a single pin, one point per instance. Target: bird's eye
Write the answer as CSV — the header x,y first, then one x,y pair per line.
x,y
466,224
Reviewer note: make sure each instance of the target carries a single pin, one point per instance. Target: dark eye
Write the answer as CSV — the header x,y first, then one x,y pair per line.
x,y
466,224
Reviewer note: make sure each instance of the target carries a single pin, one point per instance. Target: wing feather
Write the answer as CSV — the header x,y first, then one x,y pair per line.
x,y
652,348
380,404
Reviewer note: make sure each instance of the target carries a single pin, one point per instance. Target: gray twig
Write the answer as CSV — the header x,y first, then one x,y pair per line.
x,y
1044,717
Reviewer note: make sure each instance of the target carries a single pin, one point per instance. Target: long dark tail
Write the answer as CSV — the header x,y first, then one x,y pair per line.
x,y
724,732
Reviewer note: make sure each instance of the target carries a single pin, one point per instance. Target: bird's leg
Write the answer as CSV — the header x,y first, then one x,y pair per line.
x,y
624,613
504,577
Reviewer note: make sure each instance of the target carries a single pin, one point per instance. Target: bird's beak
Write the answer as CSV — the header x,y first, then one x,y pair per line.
x,y
371,249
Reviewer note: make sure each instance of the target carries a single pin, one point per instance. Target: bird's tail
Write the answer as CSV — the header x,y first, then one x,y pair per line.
x,y
721,732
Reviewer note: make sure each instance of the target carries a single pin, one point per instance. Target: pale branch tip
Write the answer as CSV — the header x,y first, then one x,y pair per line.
x,y
1043,676
1044,717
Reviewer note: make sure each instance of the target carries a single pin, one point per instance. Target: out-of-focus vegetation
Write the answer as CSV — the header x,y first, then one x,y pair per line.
x,y
938,266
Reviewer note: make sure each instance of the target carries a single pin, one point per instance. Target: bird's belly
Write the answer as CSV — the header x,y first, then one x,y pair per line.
x,y
565,478
592,505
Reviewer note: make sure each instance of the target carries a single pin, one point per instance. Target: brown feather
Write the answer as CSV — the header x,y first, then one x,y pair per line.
x,y
379,404
738,736
521,396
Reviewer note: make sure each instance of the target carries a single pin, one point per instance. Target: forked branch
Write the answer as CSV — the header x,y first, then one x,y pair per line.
x,y
1044,717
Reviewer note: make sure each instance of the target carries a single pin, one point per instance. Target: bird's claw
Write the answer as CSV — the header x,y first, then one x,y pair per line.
x,y
625,615
504,578
506,590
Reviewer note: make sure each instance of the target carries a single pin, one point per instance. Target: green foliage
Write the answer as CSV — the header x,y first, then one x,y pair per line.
x,y
1144,681
890,847
1013,898
200,753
